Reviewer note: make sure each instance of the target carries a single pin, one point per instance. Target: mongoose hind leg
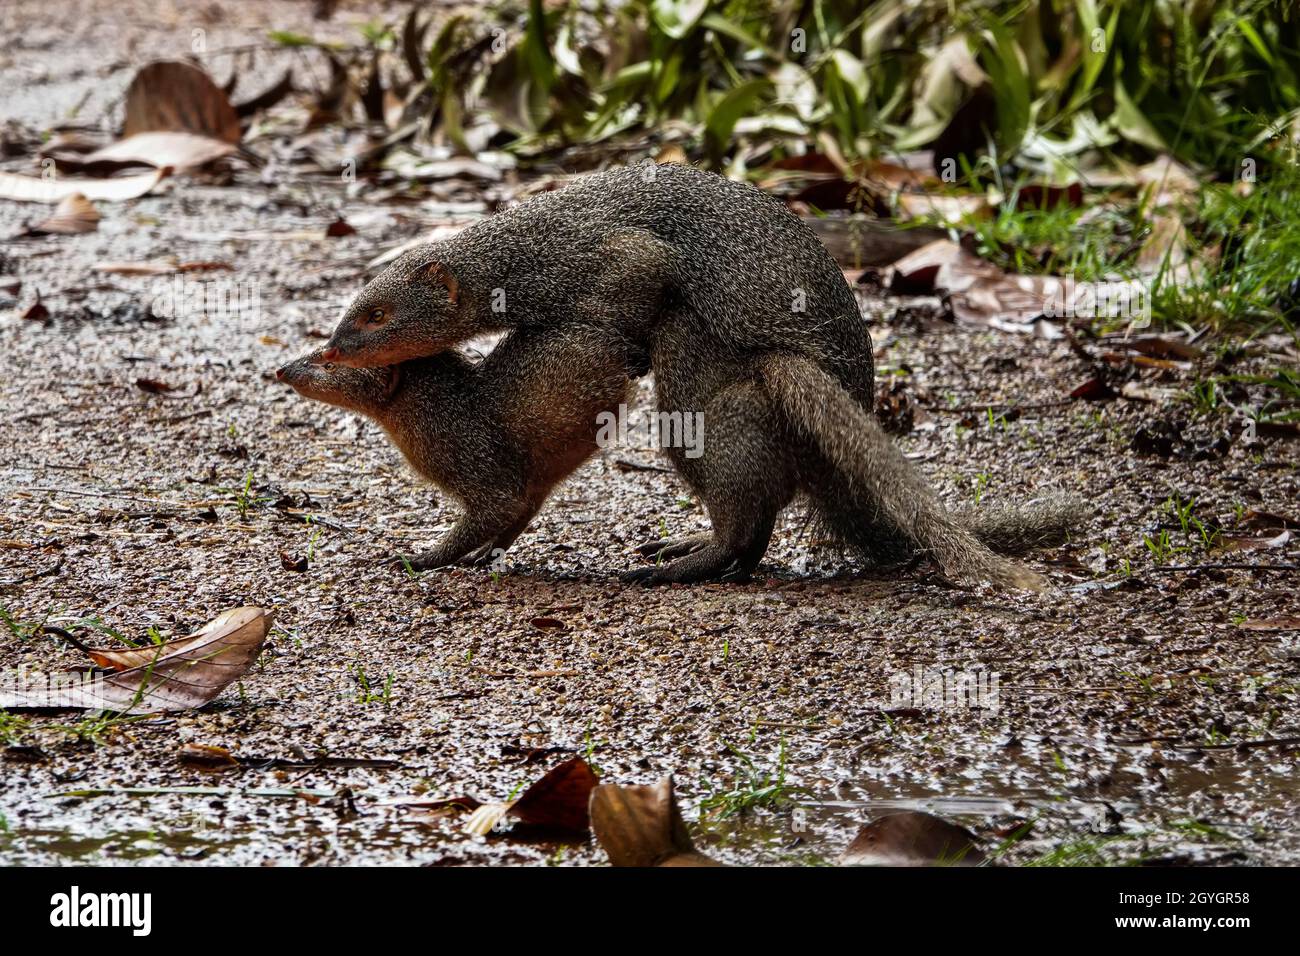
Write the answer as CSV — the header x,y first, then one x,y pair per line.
x,y
744,475
731,554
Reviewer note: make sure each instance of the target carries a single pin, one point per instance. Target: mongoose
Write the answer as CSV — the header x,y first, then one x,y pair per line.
x,y
743,317
497,436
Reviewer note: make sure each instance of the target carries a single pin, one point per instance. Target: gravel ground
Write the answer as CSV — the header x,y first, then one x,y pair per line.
x,y
1141,713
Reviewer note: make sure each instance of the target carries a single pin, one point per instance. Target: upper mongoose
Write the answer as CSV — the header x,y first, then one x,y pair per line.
x,y
497,436
744,318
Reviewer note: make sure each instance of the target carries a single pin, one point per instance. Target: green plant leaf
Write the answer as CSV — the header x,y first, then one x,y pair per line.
x,y
729,109
536,51
1132,124
720,24
676,18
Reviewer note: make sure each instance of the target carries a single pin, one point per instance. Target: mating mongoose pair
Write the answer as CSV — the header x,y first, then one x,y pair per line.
x,y
742,315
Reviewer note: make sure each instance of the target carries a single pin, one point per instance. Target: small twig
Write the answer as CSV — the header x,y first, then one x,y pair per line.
x,y
68,636
623,464
52,570
993,406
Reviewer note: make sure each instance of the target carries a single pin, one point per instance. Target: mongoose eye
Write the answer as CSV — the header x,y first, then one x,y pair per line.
x,y
376,317
328,366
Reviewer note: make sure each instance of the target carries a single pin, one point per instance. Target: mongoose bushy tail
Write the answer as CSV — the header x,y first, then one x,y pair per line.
x,y
1017,528
878,476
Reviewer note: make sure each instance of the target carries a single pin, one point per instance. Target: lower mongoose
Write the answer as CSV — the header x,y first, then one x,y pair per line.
x,y
744,318
497,436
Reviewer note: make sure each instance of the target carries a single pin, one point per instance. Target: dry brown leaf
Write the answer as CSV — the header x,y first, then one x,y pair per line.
x,y
187,673
1166,248
154,386
1170,178
207,756
73,216
240,624
338,228
942,265
176,149
911,838
980,293
642,826
949,210
174,96
34,189
1269,520
1048,196
36,312
177,675
1158,346
557,800
1229,542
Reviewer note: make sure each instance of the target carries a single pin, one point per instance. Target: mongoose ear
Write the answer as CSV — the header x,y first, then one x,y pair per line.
x,y
394,376
439,273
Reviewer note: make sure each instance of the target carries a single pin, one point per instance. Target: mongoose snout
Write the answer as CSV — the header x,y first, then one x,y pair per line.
x,y
360,389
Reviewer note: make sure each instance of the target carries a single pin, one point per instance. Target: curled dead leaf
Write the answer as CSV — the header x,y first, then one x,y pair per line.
x,y
207,756
642,826
338,228
170,95
291,563
33,189
176,675
1244,543
36,312
176,150
154,386
912,838
557,800
74,215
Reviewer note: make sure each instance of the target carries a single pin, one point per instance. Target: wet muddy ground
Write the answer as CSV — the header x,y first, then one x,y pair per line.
x,y
1137,713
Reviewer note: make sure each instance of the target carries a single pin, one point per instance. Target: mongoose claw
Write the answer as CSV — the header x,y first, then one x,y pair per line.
x,y
652,549
735,574
665,549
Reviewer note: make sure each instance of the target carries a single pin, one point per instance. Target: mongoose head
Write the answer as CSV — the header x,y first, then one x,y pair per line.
x,y
366,390
410,310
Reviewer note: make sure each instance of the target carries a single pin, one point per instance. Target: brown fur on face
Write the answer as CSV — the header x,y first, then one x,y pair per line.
x,y
410,310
